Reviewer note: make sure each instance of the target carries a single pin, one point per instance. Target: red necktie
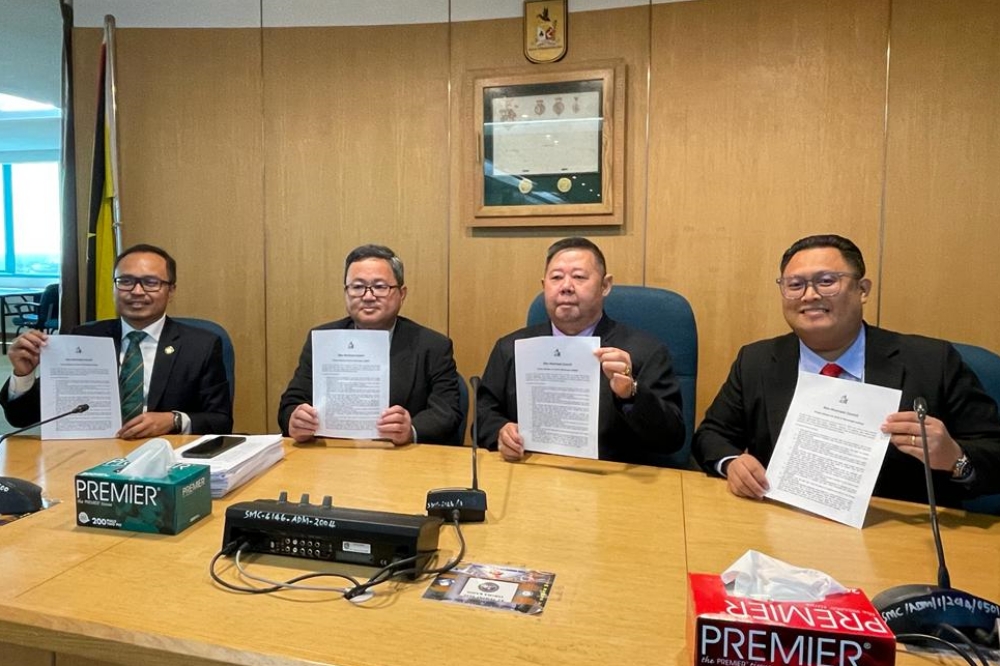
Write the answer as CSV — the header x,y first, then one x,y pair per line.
x,y
831,370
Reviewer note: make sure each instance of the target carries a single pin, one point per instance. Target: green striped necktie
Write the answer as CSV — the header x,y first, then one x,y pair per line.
x,y
130,378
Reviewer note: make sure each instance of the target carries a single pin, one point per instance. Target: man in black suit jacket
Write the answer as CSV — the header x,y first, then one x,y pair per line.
x,y
639,404
423,380
186,389
824,291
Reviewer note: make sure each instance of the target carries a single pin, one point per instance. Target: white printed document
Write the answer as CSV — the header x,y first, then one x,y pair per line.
x,y
556,139
233,468
830,450
350,381
79,370
558,388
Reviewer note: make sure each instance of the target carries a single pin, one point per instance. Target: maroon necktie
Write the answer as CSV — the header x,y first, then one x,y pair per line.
x,y
831,370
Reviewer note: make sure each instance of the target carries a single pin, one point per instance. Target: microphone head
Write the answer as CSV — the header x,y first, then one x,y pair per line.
x,y
920,407
80,409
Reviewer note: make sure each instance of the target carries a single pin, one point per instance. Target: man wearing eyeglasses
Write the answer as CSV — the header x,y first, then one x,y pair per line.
x,y
823,291
423,379
172,378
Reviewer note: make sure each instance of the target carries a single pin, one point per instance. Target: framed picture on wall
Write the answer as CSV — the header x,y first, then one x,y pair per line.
x,y
550,148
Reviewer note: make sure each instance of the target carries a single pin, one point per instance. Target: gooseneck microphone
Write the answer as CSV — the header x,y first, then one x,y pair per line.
x,y
79,409
474,381
18,496
916,610
944,578
470,502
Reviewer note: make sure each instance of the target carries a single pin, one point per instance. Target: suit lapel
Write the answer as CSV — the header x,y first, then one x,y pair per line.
x,y
604,327
166,352
782,376
883,366
401,367
115,331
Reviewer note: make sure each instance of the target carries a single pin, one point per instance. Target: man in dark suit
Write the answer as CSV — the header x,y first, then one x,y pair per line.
x,y
824,289
640,401
423,380
184,386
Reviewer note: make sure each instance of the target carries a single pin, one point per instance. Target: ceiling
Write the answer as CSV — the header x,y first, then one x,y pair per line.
x,y
31,49
30,67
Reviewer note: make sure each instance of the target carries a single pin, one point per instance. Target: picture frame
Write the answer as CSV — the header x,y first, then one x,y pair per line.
x,y
550,148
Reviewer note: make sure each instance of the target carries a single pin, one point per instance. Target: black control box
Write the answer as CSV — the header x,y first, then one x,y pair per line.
x,y
326,532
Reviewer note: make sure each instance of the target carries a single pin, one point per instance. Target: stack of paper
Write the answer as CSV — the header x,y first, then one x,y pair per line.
x,y
234,467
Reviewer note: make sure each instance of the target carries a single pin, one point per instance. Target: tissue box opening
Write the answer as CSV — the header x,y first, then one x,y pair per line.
x,y
105,498
841,630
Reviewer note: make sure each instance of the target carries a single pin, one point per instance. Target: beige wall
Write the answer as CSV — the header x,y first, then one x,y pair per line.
x,y
190,144
259,158
942,232
771,133
356,151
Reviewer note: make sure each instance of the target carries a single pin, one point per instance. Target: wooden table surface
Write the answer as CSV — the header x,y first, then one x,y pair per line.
x,y
619,538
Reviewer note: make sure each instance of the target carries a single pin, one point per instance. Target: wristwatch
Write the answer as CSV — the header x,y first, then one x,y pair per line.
x,y
962,469
178,423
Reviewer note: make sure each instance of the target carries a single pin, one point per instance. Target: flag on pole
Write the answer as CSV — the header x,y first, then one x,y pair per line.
x,y
69,273
100,238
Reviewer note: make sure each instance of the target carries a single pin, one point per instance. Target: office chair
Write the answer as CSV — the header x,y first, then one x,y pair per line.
x,y
668,317
228,353
986,365
43,315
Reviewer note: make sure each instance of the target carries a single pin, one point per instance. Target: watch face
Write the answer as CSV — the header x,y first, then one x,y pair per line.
x,y
962,468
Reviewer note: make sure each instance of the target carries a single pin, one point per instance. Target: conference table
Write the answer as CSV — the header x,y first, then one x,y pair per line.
x,y
619,538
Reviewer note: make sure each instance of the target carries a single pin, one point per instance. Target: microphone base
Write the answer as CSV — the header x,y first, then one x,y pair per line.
x,y
470,502
922,609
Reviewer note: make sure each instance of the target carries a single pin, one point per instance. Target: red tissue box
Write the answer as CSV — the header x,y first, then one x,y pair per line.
x,y
842,630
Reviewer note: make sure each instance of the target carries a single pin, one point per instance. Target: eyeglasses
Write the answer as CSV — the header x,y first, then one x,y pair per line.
x,y
378,290
827,283
149,284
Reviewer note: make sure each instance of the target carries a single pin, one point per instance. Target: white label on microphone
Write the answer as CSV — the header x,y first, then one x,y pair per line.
x,y
355,547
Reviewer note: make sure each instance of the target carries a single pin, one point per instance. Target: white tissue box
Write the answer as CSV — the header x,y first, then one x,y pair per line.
x,y
167,505
841,630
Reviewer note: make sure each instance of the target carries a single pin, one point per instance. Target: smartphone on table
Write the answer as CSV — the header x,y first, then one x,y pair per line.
x,y
213,446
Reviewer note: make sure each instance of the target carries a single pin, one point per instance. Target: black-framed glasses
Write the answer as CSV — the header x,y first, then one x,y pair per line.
x,y
149,284
379,290
827,283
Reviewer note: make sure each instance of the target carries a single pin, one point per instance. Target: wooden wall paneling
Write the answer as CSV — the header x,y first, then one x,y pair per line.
x,y
766,125
356,151
286,148
189,112
943,171
189,145
494,273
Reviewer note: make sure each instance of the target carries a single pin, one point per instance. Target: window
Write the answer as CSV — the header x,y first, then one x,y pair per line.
x,y
30,191
31,245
